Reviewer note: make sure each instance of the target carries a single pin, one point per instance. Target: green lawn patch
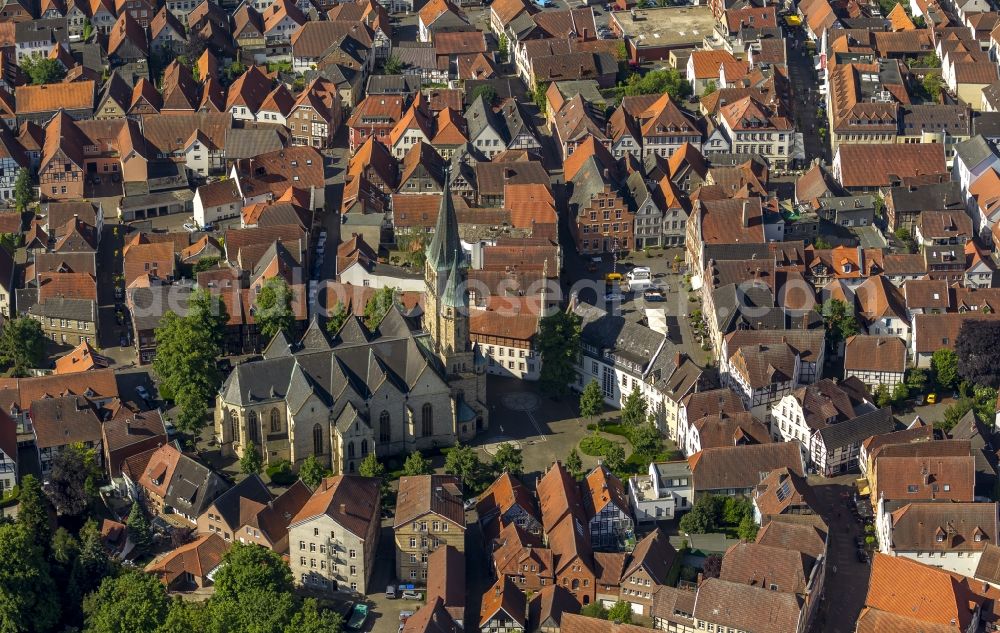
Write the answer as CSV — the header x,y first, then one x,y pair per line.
x,y
594,445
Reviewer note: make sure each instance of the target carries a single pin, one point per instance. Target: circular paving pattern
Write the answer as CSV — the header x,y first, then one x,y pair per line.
x,y
520,401
493,447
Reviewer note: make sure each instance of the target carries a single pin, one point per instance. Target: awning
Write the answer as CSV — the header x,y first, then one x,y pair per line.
x,y
862,486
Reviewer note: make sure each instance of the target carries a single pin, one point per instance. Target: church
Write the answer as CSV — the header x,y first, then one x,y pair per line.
x,y
392,390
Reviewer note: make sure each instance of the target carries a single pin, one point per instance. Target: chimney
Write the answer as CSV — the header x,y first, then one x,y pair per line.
x,y
343,508
607,173
746,213
128,426
586,33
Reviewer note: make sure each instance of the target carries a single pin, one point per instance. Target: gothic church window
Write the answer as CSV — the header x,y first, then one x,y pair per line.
x,y
427,420
384,428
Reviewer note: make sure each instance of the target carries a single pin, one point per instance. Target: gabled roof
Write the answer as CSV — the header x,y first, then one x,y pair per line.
x,y
429,494
198,558
929,595
250,90
127,30
742,466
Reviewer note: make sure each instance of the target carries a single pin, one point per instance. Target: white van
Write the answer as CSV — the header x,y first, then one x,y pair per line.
x,y
639,285
639,272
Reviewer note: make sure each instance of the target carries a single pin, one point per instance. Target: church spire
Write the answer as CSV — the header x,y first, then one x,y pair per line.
x,y
445,245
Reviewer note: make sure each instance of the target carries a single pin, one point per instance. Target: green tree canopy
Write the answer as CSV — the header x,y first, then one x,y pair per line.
x,y
392,66
251,462
22,345
417,464
311,619
486,91
138,529
274,308
573,463
311,472
378,305
657,82
614,458
594,610
371,467
620,611
29,600
134,602
508,459
558,344
646,439
208,311
186,350
933,84
463,462
840,322
591,400
944,364
337,318
43,70
249,567
33,510
634,409
24,190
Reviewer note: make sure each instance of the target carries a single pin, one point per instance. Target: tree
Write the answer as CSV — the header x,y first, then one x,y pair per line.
x,y
43,70
508,459
573,463
28,597
274,308
463,462
73,479
881,396
933,85
205,263
502,46
703,517
916,380
906,238
185,363
337,318
712,566
251,462
91,566
10,242
594,610
138,529
256,611
416,464
65,547
621,612
634,410
371,467
193,47
207,311
24,190
22,345
614,459
134,602
710,87
735,509
953,414
900,393
378,305
88,29
538,96
32,510
311,619
392,66
657,82
486,91
840,322
944,364
747,530
558,344
978,351
251,567
646,439
312,473
591,400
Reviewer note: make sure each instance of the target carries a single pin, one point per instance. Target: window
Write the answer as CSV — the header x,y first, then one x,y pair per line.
x,y
384,428
275,421
427,420
318,439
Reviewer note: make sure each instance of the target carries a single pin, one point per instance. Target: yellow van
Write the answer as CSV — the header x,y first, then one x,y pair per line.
x,y
613,277
932,398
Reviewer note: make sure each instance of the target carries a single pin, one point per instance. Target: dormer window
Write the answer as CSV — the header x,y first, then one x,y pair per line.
x,y
979,537
940,537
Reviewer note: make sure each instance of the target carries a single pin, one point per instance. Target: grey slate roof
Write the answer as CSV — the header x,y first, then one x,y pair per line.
x,y
627,340
251,142
480,116
587,182
858,429
986,124
391,85
193,487
974,151
252,488
62,308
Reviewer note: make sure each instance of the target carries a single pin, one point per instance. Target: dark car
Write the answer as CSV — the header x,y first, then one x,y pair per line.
x,y
862,556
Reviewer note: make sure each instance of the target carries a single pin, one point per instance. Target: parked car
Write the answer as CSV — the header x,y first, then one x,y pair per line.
x,y
613,296
405,615
862,556
358,617
142,393
390,592
190,227
653,295
412,595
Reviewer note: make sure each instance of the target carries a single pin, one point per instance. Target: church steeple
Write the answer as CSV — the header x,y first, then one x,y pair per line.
x,y
445,246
